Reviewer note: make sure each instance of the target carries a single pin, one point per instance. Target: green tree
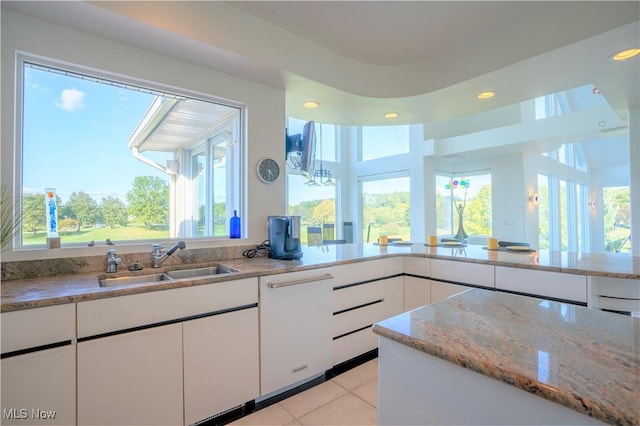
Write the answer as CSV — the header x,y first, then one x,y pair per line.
x,y
305,211
67,225
82,208
113,211
33,212
149,200
477,214
325,212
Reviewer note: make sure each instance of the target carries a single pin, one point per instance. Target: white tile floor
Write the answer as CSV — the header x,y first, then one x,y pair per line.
x,y
348,399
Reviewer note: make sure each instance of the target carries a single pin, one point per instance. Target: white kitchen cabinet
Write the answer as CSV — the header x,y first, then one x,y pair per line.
x,y
132,378
356,308
556,285
40,387
440,290
295,327
221,363
417,292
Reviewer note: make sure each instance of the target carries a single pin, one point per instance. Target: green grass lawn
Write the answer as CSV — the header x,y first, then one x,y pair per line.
x,y
132,232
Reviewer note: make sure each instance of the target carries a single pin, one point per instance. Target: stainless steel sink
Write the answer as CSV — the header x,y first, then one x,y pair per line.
x,y
138,279
200,272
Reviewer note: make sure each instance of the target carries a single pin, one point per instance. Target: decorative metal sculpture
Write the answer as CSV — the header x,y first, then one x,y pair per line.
x,y
455,184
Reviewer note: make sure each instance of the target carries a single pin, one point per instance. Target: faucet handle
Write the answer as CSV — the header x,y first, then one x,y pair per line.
x,y
155,248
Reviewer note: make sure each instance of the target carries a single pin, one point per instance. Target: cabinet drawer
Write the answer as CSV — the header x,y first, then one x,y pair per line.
x,y
353,345
542,283
614,287
366,271
420,266
348,297
615,304
357,318
463,272
120,313
30,328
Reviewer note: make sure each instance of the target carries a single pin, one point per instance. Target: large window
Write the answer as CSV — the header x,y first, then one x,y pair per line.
x,y
127,162
312,196
384,141
463,201
563,218
385,207
617,219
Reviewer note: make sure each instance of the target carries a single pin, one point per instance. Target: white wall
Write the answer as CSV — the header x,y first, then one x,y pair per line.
x,y
265,108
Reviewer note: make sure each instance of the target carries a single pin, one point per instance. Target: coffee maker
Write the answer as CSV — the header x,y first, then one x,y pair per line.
x,y
284,237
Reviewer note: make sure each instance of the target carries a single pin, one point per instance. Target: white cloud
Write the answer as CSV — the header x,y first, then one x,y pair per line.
x,y
71,100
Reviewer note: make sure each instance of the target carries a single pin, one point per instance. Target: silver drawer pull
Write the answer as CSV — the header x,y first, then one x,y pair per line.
x,y
300,281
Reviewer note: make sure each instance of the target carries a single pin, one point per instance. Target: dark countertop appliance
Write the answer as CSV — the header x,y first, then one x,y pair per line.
x,y
284,237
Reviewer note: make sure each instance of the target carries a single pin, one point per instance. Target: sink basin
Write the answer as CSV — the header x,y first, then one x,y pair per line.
x,y
200,272
138,279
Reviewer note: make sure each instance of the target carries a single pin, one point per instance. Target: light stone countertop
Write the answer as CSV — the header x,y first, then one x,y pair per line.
x,y
591,359
76,287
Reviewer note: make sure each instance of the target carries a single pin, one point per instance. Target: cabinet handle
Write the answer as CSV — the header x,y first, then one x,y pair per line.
x,y
300,281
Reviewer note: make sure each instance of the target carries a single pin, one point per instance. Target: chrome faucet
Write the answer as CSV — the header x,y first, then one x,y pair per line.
x,y
158,257
112,261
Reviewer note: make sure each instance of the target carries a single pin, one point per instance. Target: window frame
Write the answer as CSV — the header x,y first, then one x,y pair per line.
x,y
125,81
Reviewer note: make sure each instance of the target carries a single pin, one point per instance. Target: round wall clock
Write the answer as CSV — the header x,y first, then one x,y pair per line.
x,y
268,170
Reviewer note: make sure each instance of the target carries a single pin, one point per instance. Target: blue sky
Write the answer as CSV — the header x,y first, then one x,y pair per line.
x,y
75,136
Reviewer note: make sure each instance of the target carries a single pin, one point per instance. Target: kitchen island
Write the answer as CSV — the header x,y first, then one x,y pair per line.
x,y
485,357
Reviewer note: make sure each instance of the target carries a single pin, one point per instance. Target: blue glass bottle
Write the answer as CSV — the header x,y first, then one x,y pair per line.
x,y
234,231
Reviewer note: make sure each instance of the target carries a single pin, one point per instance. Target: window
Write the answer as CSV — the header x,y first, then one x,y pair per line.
x,y
544,220
316,207
383,141
313,196
385,207
617,219
127,162
563,220
472,195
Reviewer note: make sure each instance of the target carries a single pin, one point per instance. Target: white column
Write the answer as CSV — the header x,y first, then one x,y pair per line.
x,y
634,181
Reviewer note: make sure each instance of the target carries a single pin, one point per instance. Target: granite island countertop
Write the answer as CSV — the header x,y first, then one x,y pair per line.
x,y
584,359
69,288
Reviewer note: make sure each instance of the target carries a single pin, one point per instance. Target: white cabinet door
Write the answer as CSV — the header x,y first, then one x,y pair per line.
x,y
132,378
221,363
417,292
542,283
440,290
295,328
40,388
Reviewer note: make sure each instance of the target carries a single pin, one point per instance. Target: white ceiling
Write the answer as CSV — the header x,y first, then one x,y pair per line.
x,y
426,60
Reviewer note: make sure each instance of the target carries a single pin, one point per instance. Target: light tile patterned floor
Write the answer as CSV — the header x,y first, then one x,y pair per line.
x,y
348,399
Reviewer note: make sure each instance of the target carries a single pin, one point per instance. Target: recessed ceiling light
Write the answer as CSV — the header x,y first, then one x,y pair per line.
x,y
391,114
623,55
311,104
486,95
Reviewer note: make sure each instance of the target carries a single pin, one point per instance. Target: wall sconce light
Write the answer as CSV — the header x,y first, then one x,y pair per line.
x,y
533,199
592,204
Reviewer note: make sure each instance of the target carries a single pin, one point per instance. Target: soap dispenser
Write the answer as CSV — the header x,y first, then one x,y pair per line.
x,y
234,231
